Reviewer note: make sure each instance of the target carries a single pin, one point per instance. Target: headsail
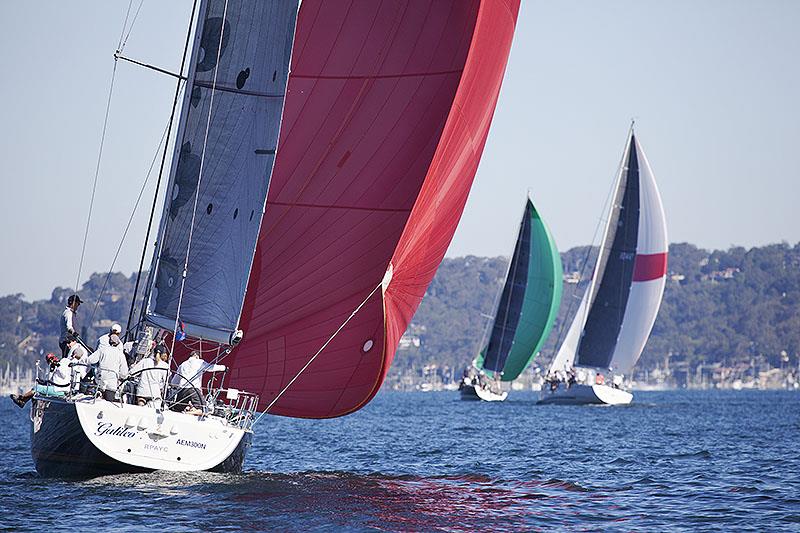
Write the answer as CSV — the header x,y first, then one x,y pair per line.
x,y
387,112
649,272
529,301
619,309
615,270
225,149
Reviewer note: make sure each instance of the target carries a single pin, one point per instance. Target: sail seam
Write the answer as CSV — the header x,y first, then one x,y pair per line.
x,y
349,207
313,357
378,76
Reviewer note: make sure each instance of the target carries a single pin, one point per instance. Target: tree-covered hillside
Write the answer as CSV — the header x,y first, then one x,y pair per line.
x,y
731,307
722,306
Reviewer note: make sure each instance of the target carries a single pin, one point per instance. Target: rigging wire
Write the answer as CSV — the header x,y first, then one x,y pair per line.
x,y
124,42
96,175
160,176
102,140
130,221
600,222
313,357
125,24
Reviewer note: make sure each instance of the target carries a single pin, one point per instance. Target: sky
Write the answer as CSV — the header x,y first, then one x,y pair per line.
x,y
713,87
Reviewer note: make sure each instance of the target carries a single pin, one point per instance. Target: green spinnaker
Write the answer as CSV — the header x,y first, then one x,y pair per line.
x,y
541,299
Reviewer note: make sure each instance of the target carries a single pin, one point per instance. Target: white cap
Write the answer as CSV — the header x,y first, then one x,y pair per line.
x,y
116,328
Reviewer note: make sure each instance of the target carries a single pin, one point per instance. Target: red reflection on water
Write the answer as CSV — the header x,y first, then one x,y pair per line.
x,y
447,503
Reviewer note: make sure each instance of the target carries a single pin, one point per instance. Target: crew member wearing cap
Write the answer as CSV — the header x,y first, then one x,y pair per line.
x,y
68,323
112,367
153,372
116,329
78,360
58,379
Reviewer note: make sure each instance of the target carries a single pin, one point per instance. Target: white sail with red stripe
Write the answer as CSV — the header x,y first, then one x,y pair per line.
x,y
618,311
649,271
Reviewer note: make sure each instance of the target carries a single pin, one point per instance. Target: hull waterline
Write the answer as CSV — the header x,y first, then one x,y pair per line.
x,y
578,394
473,393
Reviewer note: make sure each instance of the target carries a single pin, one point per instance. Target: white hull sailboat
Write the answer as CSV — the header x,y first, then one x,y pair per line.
x,y
618,310
84,436
525,312
474,391
80,434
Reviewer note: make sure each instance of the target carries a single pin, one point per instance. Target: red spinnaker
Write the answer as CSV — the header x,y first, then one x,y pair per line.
x,y
388,107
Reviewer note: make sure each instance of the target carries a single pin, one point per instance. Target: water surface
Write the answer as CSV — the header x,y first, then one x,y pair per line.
x,y
684,460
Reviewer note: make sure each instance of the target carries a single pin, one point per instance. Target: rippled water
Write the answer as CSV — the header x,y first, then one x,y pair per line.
x,y
725,461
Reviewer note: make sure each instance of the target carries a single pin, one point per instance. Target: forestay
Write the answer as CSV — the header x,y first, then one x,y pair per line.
x,y
221,167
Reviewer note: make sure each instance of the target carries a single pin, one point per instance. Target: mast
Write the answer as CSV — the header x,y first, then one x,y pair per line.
x,y
566,354
497,349
609,301
160,175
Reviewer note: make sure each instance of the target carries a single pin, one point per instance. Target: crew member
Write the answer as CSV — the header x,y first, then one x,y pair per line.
x,y
79,361
112,367
116,329
57,383
152,378
68,322
189,379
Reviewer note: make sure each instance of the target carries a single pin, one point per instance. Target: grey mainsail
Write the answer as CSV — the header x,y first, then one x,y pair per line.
x,y
221,167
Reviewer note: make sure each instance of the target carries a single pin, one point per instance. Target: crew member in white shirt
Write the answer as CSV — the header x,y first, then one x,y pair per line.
x,y
189,379
116,329
152,378
57,383
78,360
68,322
112,367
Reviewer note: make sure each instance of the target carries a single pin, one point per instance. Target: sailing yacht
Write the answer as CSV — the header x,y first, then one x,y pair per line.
x,y
323,155
525,313
618,310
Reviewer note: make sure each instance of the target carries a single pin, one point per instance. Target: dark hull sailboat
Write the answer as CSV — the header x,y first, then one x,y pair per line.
x,y
61,446
307,206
